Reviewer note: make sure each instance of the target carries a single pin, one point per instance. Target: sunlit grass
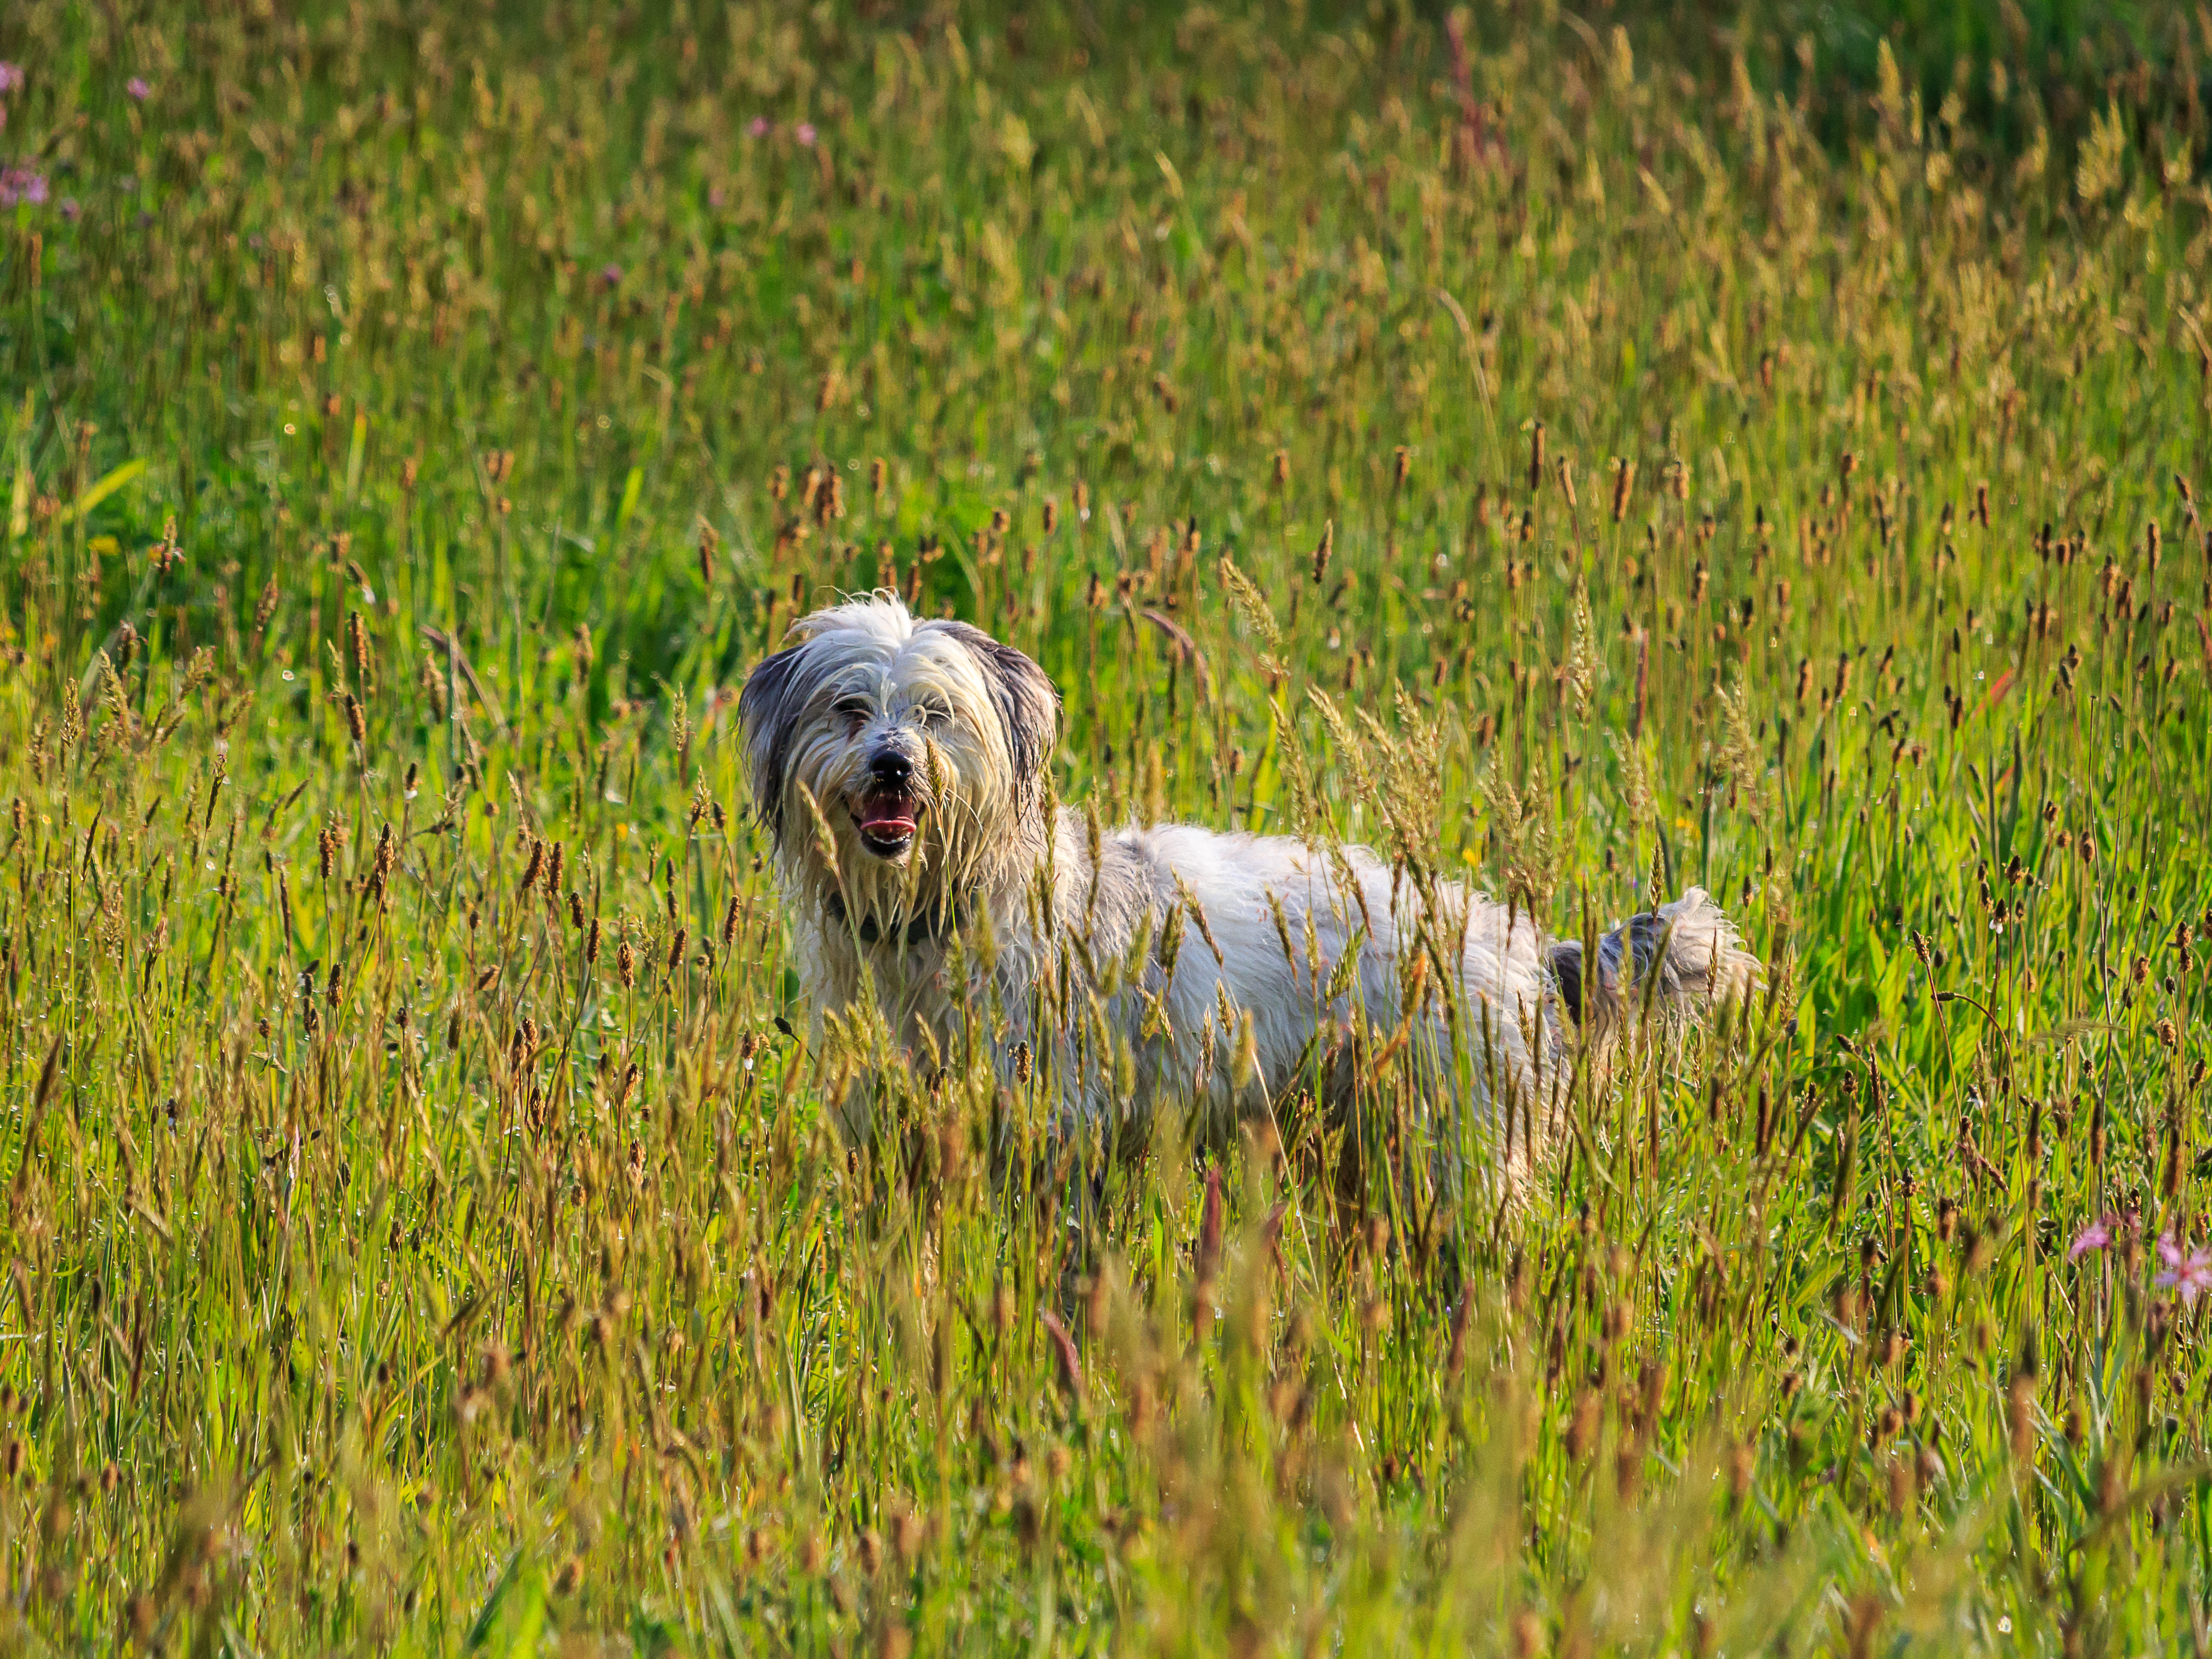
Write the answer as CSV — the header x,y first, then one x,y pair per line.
x,y
425,1229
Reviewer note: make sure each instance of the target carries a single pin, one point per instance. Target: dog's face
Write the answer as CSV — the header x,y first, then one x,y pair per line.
x,y
923,744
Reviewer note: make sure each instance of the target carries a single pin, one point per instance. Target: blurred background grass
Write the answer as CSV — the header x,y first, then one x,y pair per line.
x,y
2069,59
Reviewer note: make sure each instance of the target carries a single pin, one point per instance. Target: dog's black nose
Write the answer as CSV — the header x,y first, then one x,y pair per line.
x,y
891,770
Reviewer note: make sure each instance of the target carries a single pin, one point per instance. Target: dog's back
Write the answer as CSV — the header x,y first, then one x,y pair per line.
x,y
1266,948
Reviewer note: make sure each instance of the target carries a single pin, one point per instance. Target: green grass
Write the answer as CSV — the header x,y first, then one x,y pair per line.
x,y
387,1271
2009,69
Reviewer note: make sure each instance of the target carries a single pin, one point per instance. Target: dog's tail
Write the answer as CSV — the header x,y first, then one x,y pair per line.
x,y
1667,961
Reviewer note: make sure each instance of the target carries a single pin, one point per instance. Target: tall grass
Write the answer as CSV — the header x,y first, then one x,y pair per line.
x,y
424,1230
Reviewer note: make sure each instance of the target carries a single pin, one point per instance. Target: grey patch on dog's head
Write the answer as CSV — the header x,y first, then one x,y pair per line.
x,y
774,697
1028,705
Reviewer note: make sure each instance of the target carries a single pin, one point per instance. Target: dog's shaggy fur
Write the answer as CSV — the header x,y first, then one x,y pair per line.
x,y
900,766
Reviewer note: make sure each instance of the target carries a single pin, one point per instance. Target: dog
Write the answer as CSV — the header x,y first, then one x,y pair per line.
x,y
940,898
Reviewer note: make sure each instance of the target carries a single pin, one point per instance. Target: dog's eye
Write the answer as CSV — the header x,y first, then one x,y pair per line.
x,y
933,714
854,708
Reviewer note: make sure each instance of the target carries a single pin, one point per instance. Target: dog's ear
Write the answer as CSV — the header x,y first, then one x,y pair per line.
x,y
768,708
1027,701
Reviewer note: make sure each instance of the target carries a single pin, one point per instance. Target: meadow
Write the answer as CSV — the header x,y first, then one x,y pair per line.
x,y
1584,453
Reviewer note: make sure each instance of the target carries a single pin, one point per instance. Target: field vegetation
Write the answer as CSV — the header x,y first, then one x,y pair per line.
x,y
1581,454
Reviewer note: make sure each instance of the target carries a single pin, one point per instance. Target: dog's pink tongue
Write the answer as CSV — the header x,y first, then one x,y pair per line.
x,y
887,820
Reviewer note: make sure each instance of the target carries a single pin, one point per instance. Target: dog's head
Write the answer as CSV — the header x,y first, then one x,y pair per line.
x,y
923,744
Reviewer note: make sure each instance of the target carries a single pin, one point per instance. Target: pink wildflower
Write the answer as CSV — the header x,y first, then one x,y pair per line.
x,y
2097,1236
2190,1273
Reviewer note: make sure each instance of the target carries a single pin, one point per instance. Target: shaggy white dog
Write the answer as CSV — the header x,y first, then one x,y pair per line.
x,y
900,766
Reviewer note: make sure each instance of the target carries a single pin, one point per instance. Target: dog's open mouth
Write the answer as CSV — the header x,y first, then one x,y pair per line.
x,y
887,819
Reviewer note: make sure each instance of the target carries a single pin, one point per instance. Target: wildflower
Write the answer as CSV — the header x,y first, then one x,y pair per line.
x,y
22,184
136,87
70,210
11,77
2097,1236
610,274
758,127
2190,1273
805,133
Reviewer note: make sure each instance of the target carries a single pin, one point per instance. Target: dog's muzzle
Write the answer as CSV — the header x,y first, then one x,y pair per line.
x,y
890,812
